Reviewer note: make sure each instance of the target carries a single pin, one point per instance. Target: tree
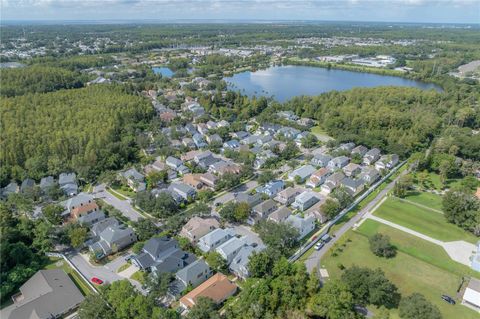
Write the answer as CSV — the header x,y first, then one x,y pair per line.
x,y
462,209
77,236
52,213
343,197
155,177
334,301
380,245
260,264
205,195
403,185
281,237
204,308
94,307
157,284
309,141
235,212
265,177
417,306
216,261
331,208
371,287
145,228
137,247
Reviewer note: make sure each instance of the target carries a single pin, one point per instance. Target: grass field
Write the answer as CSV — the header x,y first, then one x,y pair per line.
x,y
320,133
424,198
57,263
409,273
138,276
434,182
422,220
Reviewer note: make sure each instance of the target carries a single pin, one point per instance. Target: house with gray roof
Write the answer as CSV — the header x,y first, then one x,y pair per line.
x,y
192,275
92,218
371,156
251,200
264,209
271,188
305,200
360,150
76,201
338,162
47,294
11,188
332,182
370,175
320,160
112,239
214,239
198,140
353,186
239,264
135,180
162,254
68,183
352,170
280,215
46,183
302,172
173,162
287,196
230,248
386,162
27,185
304,226
185,191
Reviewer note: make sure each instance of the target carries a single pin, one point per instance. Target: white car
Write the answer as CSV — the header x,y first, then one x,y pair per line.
x,y
319,245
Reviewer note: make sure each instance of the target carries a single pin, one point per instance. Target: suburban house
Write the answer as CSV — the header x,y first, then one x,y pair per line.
x,y
47,294
386,162
239,264
332,182
371,156
271,188
79,204
173,162
280,215
360,150
302,172
305,200
265,208
318,177
338,162
471,296
214,239
316,212
134,179
352,170
193,180
208,179
47,183
251,200
353,186
198,140
321,160
68,183
215,138
83,210
190,276
91,218
221,167
162,254
27,184
287,196
205,159
304,226
11,188
188,142
185,191
217,288
346,147
231,145
198,227
230,248
112,239
370,175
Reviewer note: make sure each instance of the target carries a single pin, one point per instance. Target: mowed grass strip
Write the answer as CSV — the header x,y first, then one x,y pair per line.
x,y
422,220
408,273
427,199
416,247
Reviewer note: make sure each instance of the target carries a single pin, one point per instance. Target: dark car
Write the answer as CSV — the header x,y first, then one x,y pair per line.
x,y
96,281
448,299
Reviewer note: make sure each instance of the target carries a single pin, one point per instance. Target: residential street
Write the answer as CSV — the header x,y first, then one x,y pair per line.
x,y
123,206
314,259
230,194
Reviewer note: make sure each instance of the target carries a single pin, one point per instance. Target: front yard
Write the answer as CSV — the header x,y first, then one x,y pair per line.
x,y
406,270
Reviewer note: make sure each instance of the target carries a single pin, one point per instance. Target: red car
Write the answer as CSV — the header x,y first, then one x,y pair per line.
x,y
97,281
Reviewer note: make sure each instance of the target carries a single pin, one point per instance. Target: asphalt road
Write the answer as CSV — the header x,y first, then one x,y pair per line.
x,y
123,206
315,258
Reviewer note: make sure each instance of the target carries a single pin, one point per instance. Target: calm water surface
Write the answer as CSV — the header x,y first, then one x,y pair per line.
x,y
166,72
286,82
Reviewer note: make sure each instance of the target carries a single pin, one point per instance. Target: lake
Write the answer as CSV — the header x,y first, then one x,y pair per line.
x,y
164,71
286,82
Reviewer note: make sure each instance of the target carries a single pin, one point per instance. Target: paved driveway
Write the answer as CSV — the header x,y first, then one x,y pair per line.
x,y
123,206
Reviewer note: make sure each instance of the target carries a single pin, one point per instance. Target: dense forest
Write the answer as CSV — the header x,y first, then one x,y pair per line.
x,y
87,130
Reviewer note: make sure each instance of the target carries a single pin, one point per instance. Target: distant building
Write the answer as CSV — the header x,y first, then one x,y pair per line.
x,y
471,296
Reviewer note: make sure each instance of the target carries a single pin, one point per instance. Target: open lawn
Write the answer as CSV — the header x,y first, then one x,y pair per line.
x,y
422,220
433,181
407,272
77,280
320,134
138,276
427,199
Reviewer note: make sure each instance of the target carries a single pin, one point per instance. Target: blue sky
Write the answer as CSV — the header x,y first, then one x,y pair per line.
x,y
439,11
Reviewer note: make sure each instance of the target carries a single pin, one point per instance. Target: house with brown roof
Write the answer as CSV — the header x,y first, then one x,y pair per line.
x,y
193,180
198,227
83,210
217,288
318,177
287,196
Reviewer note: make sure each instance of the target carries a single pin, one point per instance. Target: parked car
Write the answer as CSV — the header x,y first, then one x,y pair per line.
x,y
319,245
96,281
448,299
326,238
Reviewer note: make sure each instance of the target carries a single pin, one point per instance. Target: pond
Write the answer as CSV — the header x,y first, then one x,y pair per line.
x,y
164,71
286,82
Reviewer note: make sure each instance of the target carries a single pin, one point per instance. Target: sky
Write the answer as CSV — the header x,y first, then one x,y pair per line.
x,y
438,11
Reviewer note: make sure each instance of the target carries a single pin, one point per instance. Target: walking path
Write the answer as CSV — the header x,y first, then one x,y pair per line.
x,y
419,205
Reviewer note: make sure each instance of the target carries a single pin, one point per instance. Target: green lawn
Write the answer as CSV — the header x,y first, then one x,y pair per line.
x,y
434,182
422,220
320,133
427,199
418,248
123,190
138,276
57,263
409,273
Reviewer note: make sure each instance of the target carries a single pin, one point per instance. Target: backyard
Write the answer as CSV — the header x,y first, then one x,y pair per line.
x,y
422,220
411,273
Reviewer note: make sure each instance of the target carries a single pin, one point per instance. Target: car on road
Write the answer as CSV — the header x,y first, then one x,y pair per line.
x,y
325,238
96,280
319,245
448,299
